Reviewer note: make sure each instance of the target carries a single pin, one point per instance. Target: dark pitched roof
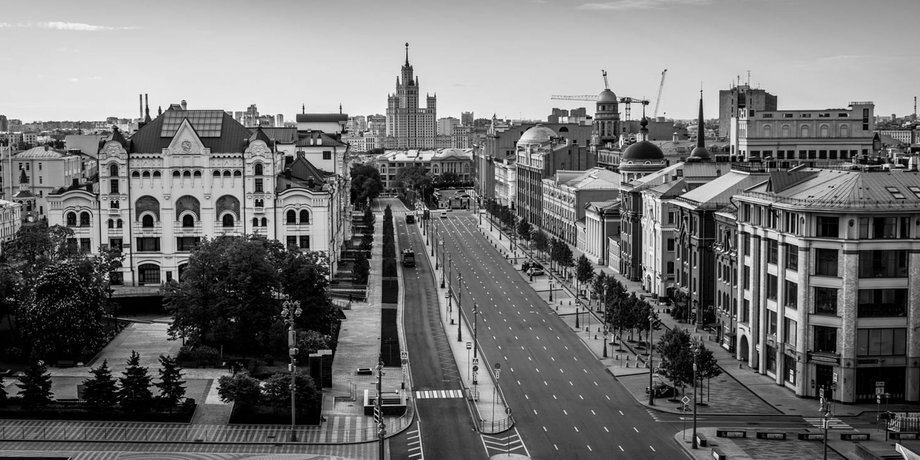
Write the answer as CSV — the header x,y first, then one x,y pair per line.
x,y
781,180
118,137
281,135
321,117
301,173
260,135
217,131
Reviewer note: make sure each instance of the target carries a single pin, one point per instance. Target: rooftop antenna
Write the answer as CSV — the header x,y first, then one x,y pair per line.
x,y
749,78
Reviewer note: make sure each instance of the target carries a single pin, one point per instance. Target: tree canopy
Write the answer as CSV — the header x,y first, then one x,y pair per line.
x,y
365,184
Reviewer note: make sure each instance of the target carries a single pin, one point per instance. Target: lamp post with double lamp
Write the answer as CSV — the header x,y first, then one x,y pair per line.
x,y
695,349
604,315
289,312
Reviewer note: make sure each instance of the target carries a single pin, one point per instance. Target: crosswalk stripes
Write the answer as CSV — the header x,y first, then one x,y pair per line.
x,y
436,394
832,423
415,445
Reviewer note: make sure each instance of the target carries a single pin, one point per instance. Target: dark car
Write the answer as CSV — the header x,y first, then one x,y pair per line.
x,y
663,390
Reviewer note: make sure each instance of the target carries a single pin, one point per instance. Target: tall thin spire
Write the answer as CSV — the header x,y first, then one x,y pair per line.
x,y
146,109
700,132
407,54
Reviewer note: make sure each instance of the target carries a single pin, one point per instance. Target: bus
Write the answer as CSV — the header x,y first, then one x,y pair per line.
x,y
408,258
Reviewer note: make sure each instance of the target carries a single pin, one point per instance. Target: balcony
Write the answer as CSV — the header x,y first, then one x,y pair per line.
x,y
824,357
180,229
115,231
221,230
141,230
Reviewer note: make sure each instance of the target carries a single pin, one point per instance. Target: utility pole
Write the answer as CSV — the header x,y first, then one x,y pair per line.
x,y
459,310
475,326
651,368
694,347
378,413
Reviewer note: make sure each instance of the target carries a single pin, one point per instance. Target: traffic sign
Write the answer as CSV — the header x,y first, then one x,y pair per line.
x,y
835,377
508,410
879,387
685,400
475,368
469,345
404,361
475,361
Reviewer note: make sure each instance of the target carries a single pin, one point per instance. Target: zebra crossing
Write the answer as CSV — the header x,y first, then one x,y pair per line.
x,y
510,444
438,394
832,423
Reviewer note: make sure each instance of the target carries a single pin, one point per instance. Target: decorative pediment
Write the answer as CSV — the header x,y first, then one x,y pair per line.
x,y
258,148
113,148
186,141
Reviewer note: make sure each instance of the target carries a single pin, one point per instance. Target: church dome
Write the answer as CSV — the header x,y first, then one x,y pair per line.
x,y
537,135
700,152
642,151
607,96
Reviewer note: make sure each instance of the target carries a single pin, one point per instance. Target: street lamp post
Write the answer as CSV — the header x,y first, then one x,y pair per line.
x,y
442,264
604,315
290,311
459,310
651,367
576,319
695,349
475,326
550,291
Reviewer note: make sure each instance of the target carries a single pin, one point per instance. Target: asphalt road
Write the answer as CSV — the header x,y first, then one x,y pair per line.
x,y
565,403
446,428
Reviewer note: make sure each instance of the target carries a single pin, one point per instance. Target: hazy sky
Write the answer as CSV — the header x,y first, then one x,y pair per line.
x,y
90,59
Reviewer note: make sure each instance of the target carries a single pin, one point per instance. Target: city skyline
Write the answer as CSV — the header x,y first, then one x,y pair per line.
x,y
81,63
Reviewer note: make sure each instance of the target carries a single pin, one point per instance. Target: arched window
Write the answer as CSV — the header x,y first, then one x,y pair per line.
x,y
258,169
264,222
255,221
177,174
823,131
111,223
304,217
784,131
147,221
113,169
767,131
118,223
227,220
844,131
804,131
237,173
187,174
226,173
182,268
196,174
149,274
71,219
291,217
136,175
216,173
145,174
156,174
84,219
188,221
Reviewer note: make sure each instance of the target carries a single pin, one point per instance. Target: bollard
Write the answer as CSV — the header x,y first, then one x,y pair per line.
x,y
627,357
627,364
557,307
595,336
570,303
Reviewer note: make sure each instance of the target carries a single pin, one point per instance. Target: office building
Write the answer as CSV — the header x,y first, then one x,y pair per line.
x,y
732,102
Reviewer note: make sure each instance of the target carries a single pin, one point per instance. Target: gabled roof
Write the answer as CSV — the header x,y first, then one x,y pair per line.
x,y
301,173
591,179
669,189
259,135
42,152
716,193
218,131
281,135
118,137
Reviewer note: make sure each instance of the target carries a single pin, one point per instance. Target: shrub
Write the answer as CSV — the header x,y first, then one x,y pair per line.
x,y
240,388
101,392
135,395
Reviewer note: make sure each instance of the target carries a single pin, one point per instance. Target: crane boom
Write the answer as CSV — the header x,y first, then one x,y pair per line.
x,y
660,88
584,97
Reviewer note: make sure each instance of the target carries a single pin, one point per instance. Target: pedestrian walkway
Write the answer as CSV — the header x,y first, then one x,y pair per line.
x,y
438,394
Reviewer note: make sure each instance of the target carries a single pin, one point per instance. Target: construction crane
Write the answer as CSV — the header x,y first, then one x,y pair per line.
x,y
660,88
629,101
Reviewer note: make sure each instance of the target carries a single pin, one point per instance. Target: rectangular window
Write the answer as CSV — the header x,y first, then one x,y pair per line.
x,y
771,322
115,244
825,301
746,243
826,262
790,294
881,342
291,242
747,277
148,244
327,155
880,303
771,359
792,257
670,244
825,339
828,227
113,186
789,331
772,285
85,245
772,251
258,185
187,243
746,311
670,217
305,242
789,367
883,264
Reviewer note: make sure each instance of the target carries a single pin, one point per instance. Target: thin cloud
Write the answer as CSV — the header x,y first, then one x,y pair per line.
x,y
620,5
60,25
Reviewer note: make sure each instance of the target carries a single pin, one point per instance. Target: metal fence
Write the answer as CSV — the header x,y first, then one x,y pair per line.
x,y
363,430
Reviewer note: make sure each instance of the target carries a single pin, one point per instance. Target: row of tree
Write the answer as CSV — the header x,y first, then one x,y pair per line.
x,y
248,392
131,392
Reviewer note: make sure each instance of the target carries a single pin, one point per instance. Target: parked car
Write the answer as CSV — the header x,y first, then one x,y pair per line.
x,y
663,390
535,271
525,266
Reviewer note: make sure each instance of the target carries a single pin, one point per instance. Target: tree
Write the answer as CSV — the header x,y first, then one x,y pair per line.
x,y
566,258
39,245
35,386
134,394
415,177
523,230
100,392
239,388
584,270
365,184
171,385
369,219
541,241
362,268
305,278
599,285
3,394
278,390
62,316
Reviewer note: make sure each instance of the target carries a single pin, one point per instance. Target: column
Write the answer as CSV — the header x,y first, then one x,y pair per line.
x,y
912,385
846,335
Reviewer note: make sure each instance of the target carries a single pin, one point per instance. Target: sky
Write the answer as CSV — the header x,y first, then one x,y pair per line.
x,y
87,60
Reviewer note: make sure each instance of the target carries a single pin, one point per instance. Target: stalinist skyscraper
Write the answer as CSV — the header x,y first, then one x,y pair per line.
x,y
408,125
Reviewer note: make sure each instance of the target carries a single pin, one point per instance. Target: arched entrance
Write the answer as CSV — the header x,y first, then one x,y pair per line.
x,y
743,352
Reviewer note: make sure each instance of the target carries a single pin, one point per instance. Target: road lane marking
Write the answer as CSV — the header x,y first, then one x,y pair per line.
x,y
589,447
592,410
546,384
535,412
621,449
582,398
554,397
565,412
653,449
571,384
595,383
544,430
576,430
637,430
605,429
621,412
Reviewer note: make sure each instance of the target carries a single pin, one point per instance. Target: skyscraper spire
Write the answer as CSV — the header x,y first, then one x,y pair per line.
x,y
407,54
